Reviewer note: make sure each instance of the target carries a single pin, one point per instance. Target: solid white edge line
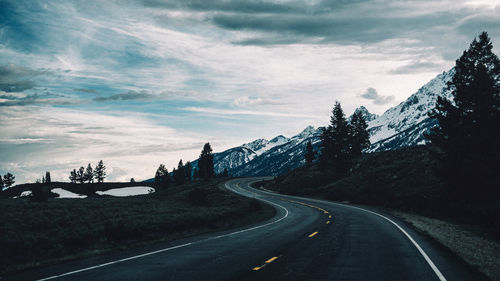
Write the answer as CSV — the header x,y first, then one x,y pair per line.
x,y
420,250
174,247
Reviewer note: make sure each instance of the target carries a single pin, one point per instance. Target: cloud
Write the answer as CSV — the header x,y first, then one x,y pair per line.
x,y
45,98
417,66
216,111
145,95
15,78
372,94
85,90
247,101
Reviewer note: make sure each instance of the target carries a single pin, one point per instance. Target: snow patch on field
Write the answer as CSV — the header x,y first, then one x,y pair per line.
x,y
24,194
63,193
127,191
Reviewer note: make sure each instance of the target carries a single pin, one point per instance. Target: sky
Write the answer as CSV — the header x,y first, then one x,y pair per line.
x,y
137,83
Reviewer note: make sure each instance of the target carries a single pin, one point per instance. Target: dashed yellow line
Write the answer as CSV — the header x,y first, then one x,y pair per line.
x,y
312,234
330,217
271,259
256,268
327,222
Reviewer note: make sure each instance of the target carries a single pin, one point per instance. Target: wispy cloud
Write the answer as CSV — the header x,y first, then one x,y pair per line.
x,y
230,112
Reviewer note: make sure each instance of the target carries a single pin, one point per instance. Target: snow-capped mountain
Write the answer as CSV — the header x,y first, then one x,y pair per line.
x,y
400,126
404,124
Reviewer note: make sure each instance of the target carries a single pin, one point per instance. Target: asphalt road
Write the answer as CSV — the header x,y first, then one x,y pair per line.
x,y
306,240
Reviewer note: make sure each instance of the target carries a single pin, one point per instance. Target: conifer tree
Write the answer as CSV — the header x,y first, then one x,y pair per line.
x,y
359,137
43,179
162,177
1,184
8,180
335,141
188,170
89,174
206,163
468,131
179,173
100,172
225,173
72,176
80,175
47,177
310,153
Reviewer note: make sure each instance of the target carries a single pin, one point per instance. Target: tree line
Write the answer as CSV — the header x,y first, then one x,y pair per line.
x,y
88,174
341,140
468,131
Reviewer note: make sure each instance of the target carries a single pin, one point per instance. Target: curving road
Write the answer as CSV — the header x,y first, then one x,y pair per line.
x,y
307,240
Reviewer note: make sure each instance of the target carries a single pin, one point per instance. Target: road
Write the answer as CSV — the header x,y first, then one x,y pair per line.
x,y
307,240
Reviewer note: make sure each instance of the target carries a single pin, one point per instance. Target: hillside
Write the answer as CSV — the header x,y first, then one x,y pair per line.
x,y
405,179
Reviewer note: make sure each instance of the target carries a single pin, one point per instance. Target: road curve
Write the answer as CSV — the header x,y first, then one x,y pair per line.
x,y
308,239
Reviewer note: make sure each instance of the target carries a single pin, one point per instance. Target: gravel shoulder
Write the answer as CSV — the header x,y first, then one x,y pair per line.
x,y
474,248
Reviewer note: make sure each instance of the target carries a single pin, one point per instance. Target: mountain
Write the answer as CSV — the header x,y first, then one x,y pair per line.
x,y
405,124
401,126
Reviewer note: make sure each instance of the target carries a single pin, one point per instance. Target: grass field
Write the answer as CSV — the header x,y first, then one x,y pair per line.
x,y
38,233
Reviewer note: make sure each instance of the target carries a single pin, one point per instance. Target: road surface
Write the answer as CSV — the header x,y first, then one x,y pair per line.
x,y
306,240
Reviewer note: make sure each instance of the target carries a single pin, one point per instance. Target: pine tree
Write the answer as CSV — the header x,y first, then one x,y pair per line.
x,y
310,153
225,173
359,137
43,179
468,131
188,170
47,177
162,177
206,163
100,172
72,176
89,174
179,174
1,184
335,141
80,175
8,180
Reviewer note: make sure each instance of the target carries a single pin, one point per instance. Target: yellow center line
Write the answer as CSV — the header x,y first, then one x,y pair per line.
x,y
256,268
271,259
328,222
329,217
312,234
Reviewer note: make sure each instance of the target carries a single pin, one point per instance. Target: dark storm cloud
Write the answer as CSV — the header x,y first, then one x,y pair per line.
x,y
375,97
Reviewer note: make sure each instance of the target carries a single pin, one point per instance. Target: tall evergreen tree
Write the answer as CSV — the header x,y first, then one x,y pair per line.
x,y
47,177
100,172
72,176
80,175
359,137
89,174
180,173
310,153
468,131
1,184
206,163
188,170
335,141
8,180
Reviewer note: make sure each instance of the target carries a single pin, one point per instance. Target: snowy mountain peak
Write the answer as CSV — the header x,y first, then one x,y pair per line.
x,y
309,131
279,140
409,114
366,114
256,144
